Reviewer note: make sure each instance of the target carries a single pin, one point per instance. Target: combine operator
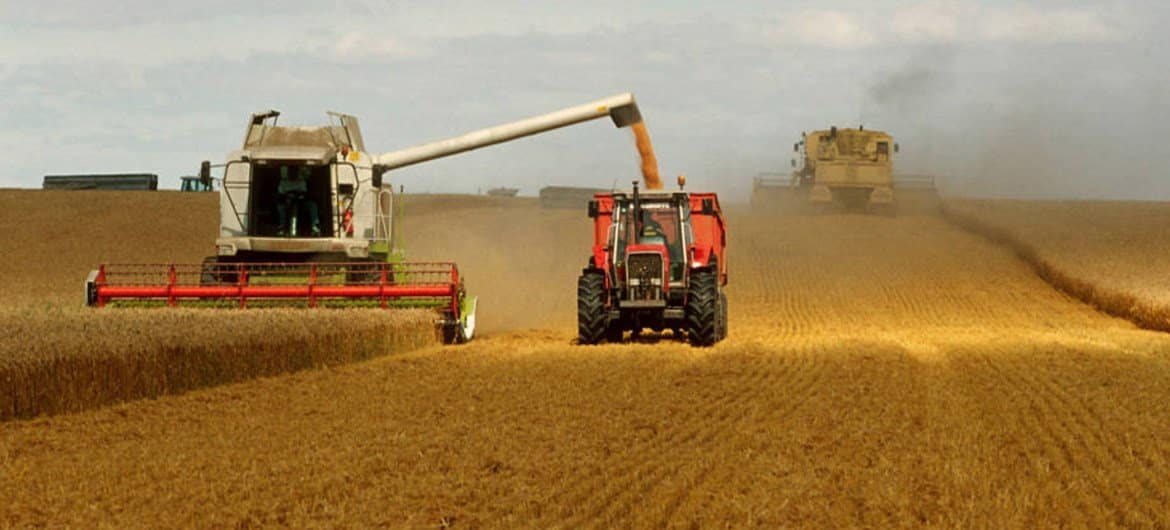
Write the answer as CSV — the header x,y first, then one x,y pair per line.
x,y
293,194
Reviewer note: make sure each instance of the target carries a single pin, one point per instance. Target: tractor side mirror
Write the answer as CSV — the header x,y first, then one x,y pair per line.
x,y
594,209
205,174
895,148
708,207
345,189
796,147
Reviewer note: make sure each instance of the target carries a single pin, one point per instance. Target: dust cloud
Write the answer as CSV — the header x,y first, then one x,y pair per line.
x,y
1030,122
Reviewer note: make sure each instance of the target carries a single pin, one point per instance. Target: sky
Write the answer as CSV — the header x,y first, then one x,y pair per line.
x,y
1034,99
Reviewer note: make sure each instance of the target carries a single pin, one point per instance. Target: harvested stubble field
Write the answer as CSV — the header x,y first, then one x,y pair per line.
x,y
880,372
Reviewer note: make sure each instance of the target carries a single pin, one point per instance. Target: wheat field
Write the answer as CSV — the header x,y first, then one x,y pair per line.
x,y
66,360
1109,254
58,356
880,372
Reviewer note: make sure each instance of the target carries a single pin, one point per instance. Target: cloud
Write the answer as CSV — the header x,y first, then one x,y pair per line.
x,y
157,44
821,28
722,89
939,22
357,45
1027,23
931,22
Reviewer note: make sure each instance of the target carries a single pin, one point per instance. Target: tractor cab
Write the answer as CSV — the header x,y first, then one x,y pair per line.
x,y
195,184
656,225
650,234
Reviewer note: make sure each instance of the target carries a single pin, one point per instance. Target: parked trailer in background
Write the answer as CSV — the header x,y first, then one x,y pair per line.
x,y
117,181
196,184
503,192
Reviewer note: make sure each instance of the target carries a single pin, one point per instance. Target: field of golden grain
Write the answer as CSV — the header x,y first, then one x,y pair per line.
x,y
58,356
66,360
1109,254
880,372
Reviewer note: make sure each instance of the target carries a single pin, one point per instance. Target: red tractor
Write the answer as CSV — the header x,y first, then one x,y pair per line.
x,y
658,262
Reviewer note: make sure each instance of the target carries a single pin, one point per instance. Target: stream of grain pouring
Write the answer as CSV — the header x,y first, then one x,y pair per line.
x,y
646,152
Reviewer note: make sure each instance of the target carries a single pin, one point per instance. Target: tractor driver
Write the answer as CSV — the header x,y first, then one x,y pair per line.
x,y
653,234
293,192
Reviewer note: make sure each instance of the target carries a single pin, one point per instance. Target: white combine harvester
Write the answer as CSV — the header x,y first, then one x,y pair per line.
x,y
307,216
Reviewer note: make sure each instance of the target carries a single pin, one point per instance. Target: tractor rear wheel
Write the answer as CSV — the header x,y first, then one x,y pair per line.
x,y
702,311
592,325
722,315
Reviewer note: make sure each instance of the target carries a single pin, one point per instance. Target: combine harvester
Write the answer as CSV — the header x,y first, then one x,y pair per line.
x,y
306,219
852,168
657,262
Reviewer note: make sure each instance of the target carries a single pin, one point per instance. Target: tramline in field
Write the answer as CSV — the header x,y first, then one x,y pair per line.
x,y
307,219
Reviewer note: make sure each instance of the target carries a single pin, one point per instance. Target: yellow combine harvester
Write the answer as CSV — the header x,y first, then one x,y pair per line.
x,y
850,167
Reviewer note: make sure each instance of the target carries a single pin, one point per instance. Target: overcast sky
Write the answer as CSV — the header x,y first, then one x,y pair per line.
x,y
1048,99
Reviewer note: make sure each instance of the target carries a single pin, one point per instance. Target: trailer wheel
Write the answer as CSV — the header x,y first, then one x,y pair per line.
x,y
702,311
592,325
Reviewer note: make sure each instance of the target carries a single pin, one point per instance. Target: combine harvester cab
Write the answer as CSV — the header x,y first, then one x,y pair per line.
x,y
851,167
658,262
308,219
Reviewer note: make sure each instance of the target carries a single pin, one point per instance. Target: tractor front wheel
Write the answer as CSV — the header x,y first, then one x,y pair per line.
x,y
702,311
592,325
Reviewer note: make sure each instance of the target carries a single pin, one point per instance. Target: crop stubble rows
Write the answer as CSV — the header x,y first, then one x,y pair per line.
x,y
880,372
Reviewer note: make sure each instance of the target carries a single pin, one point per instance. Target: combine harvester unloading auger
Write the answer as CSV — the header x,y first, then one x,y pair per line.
x,y
308,219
